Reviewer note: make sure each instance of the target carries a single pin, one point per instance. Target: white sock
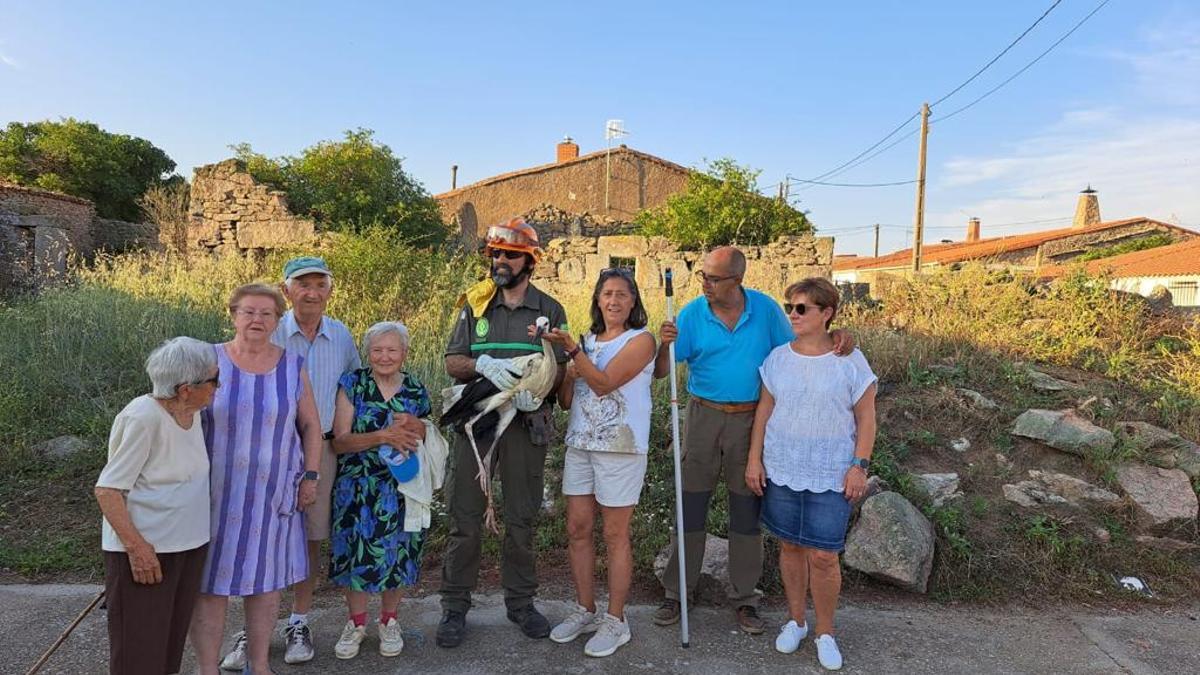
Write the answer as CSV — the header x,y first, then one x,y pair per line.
x,y
297,619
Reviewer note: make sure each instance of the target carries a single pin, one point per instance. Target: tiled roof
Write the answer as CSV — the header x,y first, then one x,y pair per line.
x,y
945,254
1178,259
556,165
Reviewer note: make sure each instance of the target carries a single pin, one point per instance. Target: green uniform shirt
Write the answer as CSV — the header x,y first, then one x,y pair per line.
x,y
503,333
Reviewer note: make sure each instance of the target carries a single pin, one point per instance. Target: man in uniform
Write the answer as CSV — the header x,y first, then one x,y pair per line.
x,y
492,328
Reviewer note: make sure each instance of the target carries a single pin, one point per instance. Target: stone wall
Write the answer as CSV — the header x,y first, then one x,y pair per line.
x,y
572,262
38,231
638,181
118,236
230,212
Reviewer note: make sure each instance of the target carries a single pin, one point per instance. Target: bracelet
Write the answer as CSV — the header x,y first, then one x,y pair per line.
x,y
571,354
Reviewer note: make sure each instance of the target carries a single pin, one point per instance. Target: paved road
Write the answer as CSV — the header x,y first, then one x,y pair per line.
x,y
914,639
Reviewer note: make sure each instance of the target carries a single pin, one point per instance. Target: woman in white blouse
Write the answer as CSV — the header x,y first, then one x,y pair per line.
x,y
153,493
810,448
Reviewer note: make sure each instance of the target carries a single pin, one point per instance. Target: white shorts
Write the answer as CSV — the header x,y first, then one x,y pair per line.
x,y
615,478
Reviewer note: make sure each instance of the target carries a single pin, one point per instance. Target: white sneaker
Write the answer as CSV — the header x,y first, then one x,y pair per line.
x,y
297,639
610,635
347,644
578,622
828,653
391,642
236,658
790,636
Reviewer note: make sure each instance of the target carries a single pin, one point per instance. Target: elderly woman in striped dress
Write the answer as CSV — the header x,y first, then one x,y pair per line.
x,y
264,441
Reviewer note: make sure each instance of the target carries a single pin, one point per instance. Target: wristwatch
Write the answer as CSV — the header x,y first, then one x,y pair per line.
x,y
862,463
311,475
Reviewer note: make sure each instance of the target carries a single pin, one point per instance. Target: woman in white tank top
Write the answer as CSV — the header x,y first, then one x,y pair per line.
x,y
607,390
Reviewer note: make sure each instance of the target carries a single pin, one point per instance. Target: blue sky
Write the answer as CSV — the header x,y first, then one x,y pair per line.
x,y
791,88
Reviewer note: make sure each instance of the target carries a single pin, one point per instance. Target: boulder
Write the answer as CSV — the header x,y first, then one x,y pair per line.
x,y
61,447
1063,430
1163,499
978,400
1047,487
1029,494
1043,382
713,586
1164,448
939,487
892,541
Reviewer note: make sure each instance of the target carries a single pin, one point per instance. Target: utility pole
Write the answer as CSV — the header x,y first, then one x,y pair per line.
x,y
919,221
876,240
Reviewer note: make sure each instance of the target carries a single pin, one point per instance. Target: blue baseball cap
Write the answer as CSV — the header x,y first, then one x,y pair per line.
x,y
298,267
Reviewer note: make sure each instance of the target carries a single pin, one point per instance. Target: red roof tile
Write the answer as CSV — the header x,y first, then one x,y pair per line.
x,y
1178,259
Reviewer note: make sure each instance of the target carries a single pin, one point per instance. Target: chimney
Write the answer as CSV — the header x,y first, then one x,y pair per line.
x,y
1087,211
453,176
567,150
973,230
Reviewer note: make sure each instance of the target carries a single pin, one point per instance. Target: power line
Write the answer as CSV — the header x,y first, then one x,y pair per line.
x,y
873,155
1027,66
858,185
997,57
891,133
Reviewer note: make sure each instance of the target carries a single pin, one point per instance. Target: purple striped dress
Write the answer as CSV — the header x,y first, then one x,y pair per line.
x,y
258,541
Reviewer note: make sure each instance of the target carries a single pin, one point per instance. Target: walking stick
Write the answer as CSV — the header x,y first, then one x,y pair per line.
x,y
683,599
61,638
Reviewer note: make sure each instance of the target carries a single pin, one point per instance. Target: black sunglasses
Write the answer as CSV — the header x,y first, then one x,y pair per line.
x,y
800,308
215,381
507,255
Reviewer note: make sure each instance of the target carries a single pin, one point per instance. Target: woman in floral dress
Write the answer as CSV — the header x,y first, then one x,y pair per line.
x,y
376,406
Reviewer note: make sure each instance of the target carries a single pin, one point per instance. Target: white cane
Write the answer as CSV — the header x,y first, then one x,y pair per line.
x,y
683,599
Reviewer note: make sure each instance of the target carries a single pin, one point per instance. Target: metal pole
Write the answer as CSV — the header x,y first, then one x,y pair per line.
x,y
683,586
919,223
607,173
876,240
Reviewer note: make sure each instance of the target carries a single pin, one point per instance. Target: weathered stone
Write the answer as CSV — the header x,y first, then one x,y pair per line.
x,y
1164,448
1003,462
978,400
960,445
1166,544
61,447
1047,487
1043,382
892,541
939,487
713,585
1029,494
1163,499
1063,430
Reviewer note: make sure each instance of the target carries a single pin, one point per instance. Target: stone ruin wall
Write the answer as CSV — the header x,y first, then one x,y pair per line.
x,y
573,262
230,212
38,231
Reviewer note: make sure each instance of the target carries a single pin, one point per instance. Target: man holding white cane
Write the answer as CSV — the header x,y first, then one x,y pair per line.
x,y
723,336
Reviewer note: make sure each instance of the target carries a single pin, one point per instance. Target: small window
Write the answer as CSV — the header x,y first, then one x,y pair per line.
x,y
623,263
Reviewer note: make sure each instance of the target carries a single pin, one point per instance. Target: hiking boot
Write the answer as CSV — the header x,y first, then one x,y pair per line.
x,y
790,636
299,645
391,642
347,644
236,658
667,613
828,653
609,637
579,621
452,629
531,621
749,621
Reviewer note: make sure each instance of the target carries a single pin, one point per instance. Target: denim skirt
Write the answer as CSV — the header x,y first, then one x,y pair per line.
x,y
804,518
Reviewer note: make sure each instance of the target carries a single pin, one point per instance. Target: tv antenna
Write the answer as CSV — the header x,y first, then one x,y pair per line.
x,y
612,129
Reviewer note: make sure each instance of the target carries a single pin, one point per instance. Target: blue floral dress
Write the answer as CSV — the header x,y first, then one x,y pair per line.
x,y
371,552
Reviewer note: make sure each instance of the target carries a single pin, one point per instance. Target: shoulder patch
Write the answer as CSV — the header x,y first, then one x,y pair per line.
x,y
482,327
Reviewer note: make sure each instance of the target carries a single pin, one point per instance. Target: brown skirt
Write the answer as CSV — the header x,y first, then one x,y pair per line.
x,y
148,623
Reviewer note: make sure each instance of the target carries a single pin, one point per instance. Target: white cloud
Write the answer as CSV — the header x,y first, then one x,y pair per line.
x,y
8,60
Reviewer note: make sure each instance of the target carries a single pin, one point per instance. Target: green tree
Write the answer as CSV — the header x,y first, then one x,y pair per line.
x,y
350,185
722,205
81,159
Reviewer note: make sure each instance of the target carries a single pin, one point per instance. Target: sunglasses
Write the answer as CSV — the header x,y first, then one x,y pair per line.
x,y
215,381
799,307
506,254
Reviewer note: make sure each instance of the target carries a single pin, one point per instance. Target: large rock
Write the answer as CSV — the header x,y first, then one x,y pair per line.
x,y
1047,487
979,400
713,586
1043,382
892,541
939,487
61,447
1163,499
1163,448
1063,430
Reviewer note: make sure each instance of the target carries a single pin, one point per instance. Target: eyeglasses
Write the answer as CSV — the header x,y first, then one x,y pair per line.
x,y
252,314
799,307
215,381
714,279
508,255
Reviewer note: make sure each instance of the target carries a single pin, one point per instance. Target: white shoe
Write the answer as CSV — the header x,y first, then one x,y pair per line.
x,y
790,636
578,622
609,637
391,642
347,644
236,658
828,653
297,638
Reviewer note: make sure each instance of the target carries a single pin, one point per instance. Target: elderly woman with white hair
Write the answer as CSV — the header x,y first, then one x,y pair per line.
x,y
153,493
377,414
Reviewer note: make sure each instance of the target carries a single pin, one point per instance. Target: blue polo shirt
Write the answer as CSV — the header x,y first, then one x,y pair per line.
x,y
722,363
